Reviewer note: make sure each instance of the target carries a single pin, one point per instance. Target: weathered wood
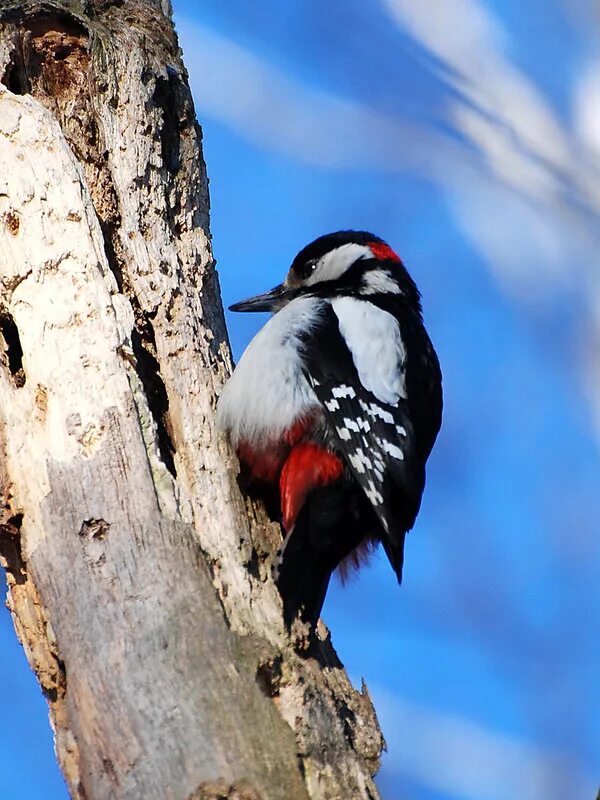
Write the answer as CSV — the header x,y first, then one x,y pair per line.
x,y
139,576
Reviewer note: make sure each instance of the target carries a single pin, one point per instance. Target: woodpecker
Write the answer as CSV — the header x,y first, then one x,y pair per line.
x,y
335,406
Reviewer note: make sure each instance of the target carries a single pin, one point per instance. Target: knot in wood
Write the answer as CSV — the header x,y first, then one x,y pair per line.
x,y
95,529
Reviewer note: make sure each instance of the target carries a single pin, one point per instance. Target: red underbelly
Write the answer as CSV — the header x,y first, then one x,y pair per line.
x,y
296,463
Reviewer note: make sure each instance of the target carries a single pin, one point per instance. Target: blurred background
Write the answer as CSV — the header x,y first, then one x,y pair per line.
x,y
467,134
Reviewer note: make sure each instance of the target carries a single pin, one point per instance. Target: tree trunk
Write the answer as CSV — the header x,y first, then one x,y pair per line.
x,y
139,575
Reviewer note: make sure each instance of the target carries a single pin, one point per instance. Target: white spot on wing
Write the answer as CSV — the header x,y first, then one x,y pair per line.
x,y
343,391
386,416
356,463
332,405
393,451
374,495
376,412
364,459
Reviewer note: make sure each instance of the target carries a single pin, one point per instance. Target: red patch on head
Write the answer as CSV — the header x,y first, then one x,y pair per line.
x,y
383,251
306,467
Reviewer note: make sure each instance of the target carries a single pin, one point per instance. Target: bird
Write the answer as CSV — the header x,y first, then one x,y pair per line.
x,y
333,410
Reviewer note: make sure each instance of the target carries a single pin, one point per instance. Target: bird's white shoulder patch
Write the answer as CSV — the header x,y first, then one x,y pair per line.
x,y
268,387
373,337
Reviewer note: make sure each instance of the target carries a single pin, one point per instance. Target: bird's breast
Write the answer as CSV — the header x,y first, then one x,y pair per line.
x,y
268,392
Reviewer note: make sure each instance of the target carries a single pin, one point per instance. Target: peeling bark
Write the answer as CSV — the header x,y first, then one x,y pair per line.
x,y
139,575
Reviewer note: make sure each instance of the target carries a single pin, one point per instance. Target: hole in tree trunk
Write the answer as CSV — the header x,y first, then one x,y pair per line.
x,y
15,78
14,351
10,549
155,390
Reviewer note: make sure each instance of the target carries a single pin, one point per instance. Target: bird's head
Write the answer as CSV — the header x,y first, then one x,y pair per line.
x,y
353,263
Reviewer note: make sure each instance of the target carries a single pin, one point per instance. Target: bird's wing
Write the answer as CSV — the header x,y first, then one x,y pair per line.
x,y
356,368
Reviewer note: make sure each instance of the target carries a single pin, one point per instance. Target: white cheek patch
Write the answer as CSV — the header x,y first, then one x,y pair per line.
x,y
379,281
333,264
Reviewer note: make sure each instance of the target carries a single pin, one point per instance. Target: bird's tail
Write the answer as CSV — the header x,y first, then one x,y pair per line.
x,y
324,533
394,550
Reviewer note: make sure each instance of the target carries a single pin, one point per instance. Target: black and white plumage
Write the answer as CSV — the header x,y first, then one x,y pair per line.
x,y
337,403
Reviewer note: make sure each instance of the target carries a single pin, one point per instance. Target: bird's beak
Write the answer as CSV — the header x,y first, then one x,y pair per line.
x,y
269,301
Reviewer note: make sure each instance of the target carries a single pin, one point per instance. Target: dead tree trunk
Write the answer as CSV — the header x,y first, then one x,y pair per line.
x,y
138,574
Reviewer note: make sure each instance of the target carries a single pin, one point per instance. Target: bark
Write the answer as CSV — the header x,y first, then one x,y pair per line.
x,y
139,574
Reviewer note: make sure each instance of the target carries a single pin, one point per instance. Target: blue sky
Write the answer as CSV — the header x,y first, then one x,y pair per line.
x,y
467,133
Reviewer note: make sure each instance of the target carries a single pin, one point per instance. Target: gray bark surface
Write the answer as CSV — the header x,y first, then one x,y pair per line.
x,y
139,574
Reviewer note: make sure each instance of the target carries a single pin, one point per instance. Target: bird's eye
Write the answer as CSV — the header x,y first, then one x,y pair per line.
x,y
307,269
